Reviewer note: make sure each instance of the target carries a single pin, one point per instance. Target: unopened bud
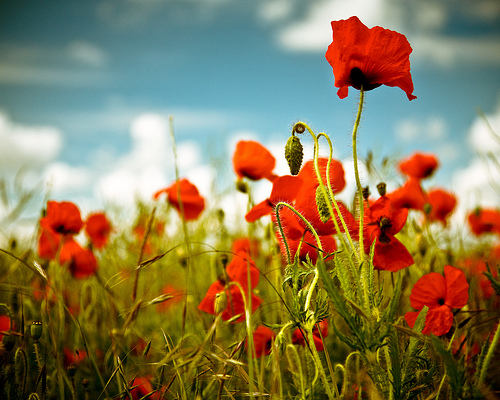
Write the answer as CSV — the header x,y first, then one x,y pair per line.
x,y
241,186
322,205
427,208
366,192
294,153
382,187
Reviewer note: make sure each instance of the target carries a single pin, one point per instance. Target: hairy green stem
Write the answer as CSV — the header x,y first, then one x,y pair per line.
x,y
489,356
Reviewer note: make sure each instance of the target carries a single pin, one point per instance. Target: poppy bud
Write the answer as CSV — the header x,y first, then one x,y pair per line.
x,y
85,383
382,187
427,208
366,192
36,330
322,205
241,186
294,153
220,302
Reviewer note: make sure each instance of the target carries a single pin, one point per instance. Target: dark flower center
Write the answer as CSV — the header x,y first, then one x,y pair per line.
x,y
384,223
441,301
359,79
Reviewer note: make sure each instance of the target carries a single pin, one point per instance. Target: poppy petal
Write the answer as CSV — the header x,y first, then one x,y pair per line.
x,y
429,290
457,288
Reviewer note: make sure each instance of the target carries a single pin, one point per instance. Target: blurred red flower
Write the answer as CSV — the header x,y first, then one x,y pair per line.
x,y
298,336
4,325
239,267
367,57
143,389
251,247
63,218
230,299
442,205
73,357
483,220
81,262
170,290
253,161
419,165
192,202
441,294
263,340
410,195
382,222
48,241
98,228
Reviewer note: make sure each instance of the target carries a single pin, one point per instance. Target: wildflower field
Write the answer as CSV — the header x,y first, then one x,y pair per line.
x,y
381,298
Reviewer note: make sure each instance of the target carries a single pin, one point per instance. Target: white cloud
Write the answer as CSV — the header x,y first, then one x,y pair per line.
x,y
479,182
421,22
313,32
430,128
275,10
87,53
27,146
448,51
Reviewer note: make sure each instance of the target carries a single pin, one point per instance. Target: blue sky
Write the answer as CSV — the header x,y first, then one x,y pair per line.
x,y
86,88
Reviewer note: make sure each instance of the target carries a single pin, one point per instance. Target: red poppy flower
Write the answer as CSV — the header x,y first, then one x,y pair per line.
x,y
192,202
233,300
367,57
442,205
81,262
48,242
73,357
382,222
419,165
305,201
253,161
239,267
484,220
4,325
285,188
263,340
441,294
410,195
251,247
98,228
337,175
298,336
142,389
63,218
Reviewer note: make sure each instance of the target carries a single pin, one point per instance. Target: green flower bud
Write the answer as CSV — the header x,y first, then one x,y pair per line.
x,y
36,330
294,153
322,205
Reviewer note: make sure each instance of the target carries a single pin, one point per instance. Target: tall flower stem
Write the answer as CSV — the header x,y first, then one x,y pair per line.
x,y
364,266
356,172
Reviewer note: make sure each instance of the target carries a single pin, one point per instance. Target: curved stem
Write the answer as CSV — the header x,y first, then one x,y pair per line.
x,y
356,173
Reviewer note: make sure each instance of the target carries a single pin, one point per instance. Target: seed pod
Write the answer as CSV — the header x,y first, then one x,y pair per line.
x,y
36,330
382,187
322,205
294,153
71,370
